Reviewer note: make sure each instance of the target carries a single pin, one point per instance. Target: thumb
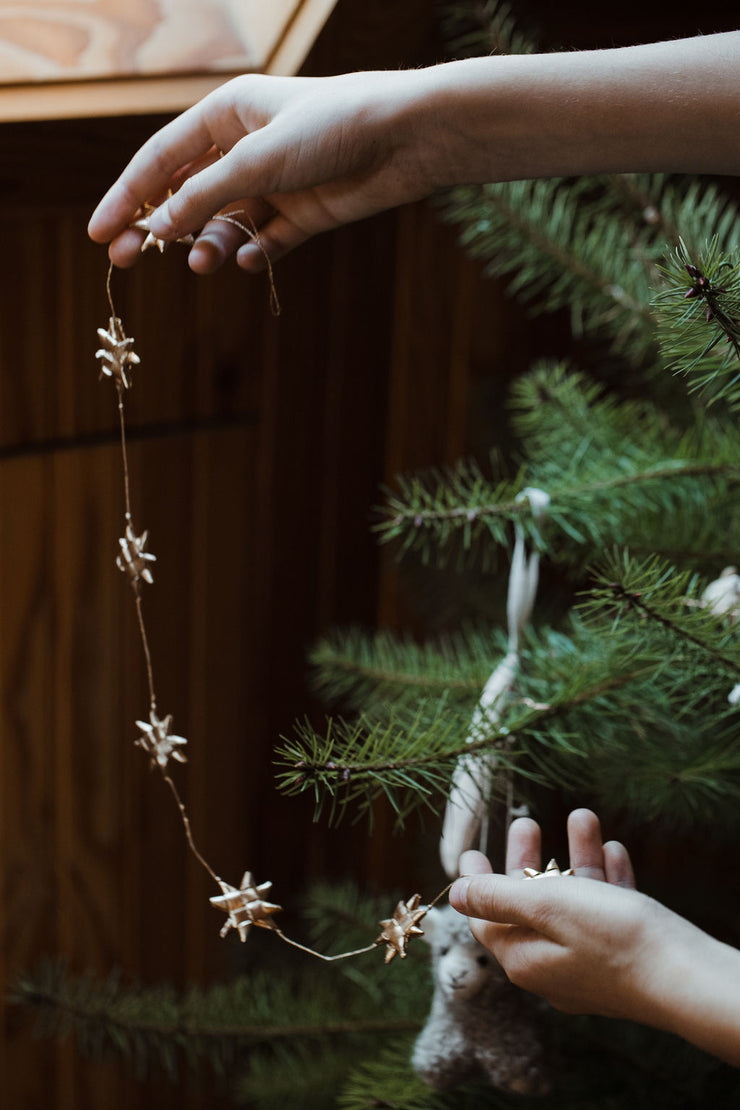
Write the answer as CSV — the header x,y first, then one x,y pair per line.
x,y
504,900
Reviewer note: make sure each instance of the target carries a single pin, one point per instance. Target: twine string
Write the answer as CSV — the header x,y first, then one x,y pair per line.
x,y
117,331
252,233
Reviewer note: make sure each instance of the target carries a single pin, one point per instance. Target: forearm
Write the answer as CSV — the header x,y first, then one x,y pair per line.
x,y
698,994
670,107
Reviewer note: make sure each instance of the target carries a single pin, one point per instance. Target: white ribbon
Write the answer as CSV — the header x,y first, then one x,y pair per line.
x,y
466,813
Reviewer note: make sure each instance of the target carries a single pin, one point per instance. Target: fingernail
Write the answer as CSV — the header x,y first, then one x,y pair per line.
x,y
160,222
459,891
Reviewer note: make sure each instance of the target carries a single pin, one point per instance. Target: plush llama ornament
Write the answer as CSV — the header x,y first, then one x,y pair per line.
x,y
480,1025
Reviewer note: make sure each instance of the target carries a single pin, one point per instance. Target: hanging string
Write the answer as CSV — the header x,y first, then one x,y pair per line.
x,y
252,233
245,905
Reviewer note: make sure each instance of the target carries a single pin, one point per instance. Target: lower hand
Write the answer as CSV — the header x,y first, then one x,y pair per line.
x,y
584,945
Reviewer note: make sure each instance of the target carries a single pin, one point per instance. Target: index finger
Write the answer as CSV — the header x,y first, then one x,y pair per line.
x,y
177,150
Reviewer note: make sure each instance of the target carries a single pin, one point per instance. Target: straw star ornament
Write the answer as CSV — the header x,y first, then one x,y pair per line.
x,y
142,224
552,871
134,559
398,930
116,356
159,742
245,906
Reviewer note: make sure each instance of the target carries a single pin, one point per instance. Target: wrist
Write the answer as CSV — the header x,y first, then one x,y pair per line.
x,y
690,985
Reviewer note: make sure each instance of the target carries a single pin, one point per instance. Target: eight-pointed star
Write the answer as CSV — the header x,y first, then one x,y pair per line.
x,y
245,906
552,871
397,930
157,740
117,353
142,224
133,558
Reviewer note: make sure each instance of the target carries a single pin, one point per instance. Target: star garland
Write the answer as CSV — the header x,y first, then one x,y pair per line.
x,y
247,904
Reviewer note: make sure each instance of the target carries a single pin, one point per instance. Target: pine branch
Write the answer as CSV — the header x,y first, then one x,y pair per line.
x,y
484,27
615,472
154,1026
654,589
664,211
369,672
699,317
298,1077
540,235
388,1082
410,763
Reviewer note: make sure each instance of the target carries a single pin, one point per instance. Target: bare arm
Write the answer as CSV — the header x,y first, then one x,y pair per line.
x,y
602,947
304,155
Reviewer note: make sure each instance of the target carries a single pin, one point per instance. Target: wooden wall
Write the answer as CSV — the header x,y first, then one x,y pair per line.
x,y
257,447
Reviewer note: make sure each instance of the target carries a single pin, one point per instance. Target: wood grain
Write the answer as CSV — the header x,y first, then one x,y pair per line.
x,y
67,59
42,41
257,450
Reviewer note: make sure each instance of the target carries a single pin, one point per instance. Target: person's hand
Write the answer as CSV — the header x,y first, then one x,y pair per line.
x,y
302,155
290,156
586,946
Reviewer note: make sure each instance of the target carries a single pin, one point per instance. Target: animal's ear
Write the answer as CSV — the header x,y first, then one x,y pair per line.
x,y
430,922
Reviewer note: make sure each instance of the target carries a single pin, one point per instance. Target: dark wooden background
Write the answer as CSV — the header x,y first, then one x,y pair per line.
x,y
257,450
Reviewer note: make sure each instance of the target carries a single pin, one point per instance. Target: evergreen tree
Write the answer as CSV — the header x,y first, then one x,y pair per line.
x,y
622,699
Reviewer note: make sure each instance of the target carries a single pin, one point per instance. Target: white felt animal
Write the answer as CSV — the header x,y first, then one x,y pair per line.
x,y
480,1025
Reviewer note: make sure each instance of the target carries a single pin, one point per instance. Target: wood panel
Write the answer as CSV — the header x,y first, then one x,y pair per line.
x,y
257,447
70,59
67,40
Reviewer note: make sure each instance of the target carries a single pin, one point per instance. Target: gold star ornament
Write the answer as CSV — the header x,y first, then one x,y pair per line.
x,y
116,356
159,742
552,871
398,930
134,559
142,224
245,906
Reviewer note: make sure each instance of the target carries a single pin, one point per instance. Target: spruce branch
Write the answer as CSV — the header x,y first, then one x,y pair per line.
x,y
370,671
487,27
699,319
540,235
216,1027
300,1077
654,590
613,472
410,762
388,1082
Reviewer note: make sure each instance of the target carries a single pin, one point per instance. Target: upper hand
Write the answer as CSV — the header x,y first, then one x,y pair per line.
x,y
297,156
